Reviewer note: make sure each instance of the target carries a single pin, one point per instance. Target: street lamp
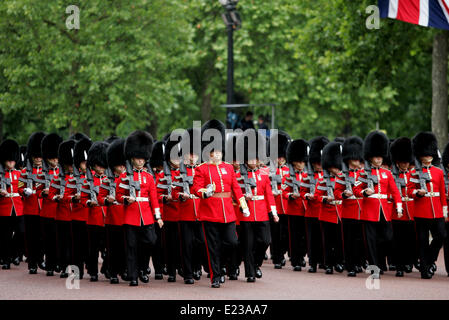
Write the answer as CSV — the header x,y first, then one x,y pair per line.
x,y
233,22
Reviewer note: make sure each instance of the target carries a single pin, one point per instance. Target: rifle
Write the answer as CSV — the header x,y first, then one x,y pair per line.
x,y
446,179
423,177
133,185
400,182
370,179
167,178
61,185
329,185
47,176
312,180
276,179
30,176
186,181
93,189
247,182
295,184
349,181
111,186
4,182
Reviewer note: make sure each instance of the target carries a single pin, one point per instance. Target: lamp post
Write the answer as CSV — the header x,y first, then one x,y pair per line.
x,y
232,21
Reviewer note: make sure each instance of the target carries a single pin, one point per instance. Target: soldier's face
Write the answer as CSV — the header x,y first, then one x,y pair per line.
x,y
334,171
403,165
138,163
10,164
191,158
252,164
119,169
354,164
175,163
216,155
281,161
377,161
68,168
317,166
37,162
53,162
427,160
298,165
83,166
236,165
99,170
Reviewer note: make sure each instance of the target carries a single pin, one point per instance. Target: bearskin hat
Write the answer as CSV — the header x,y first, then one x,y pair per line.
x,y
425,144
80,151
111,139
352,149
169,145
297,151
282,140
139,144
115,153
340,140
97,155
34,145
331,156
65,152
50,144
208,141
157,156
375,145
190,141
251,145
22,156
316,146
78,136
9,151
401,150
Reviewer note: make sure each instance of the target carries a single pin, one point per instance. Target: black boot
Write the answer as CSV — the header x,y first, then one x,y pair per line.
x,y
258,273
143,277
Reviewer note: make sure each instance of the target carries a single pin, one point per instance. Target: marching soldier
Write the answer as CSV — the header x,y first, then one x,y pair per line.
x,y
138,193
115,214
404,236
445,164
375,184
351,206
11,207
255,229
61,190
293,187
193,254
30,188
215,183
97,164
169,194
279,231
430,202
313,206
330,213
80,212
50,145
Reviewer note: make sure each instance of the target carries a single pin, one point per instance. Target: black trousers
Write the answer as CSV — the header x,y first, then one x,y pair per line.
x,y
332,242
48,227
296,239
193,253
379,236
18,238
6,233
220,238
446,248
428,252
279,238
139,240
255,239
354,245
80,246
115,247
172,250
64,236
96,238
404,244
33,240
157,251
314,241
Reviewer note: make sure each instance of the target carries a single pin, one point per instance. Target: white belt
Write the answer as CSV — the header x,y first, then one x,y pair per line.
x,y
432,194
336,202
142,199
257,198
12,195
354,198
406,199
378,196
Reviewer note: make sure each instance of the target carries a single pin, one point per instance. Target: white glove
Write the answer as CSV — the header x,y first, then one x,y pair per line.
x,y
157,213
246,213
445,211
399,214
209,191
27,192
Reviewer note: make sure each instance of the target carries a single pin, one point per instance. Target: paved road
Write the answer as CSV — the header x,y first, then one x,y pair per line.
x,y
275,284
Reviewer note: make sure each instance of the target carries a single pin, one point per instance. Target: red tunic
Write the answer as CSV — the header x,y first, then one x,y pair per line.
x,y
263,198
407,198
431,205
330,212
146,204
64,209
115,213
171,208
31,204
14,200
313,207
49,207
281,202
79,211
373,204
96,215
188,209
216,209
295,207
352,206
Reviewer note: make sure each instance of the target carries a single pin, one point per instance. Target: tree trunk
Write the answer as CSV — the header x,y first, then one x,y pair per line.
x,y
206,105
440,88
152,127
